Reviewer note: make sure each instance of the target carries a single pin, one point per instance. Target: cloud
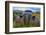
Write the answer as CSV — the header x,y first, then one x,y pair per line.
x,y
33,9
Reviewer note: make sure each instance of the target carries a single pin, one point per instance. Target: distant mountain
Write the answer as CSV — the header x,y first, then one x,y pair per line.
x,y
17,11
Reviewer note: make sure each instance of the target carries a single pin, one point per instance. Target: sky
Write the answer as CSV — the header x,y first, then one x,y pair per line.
x,y
33,9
